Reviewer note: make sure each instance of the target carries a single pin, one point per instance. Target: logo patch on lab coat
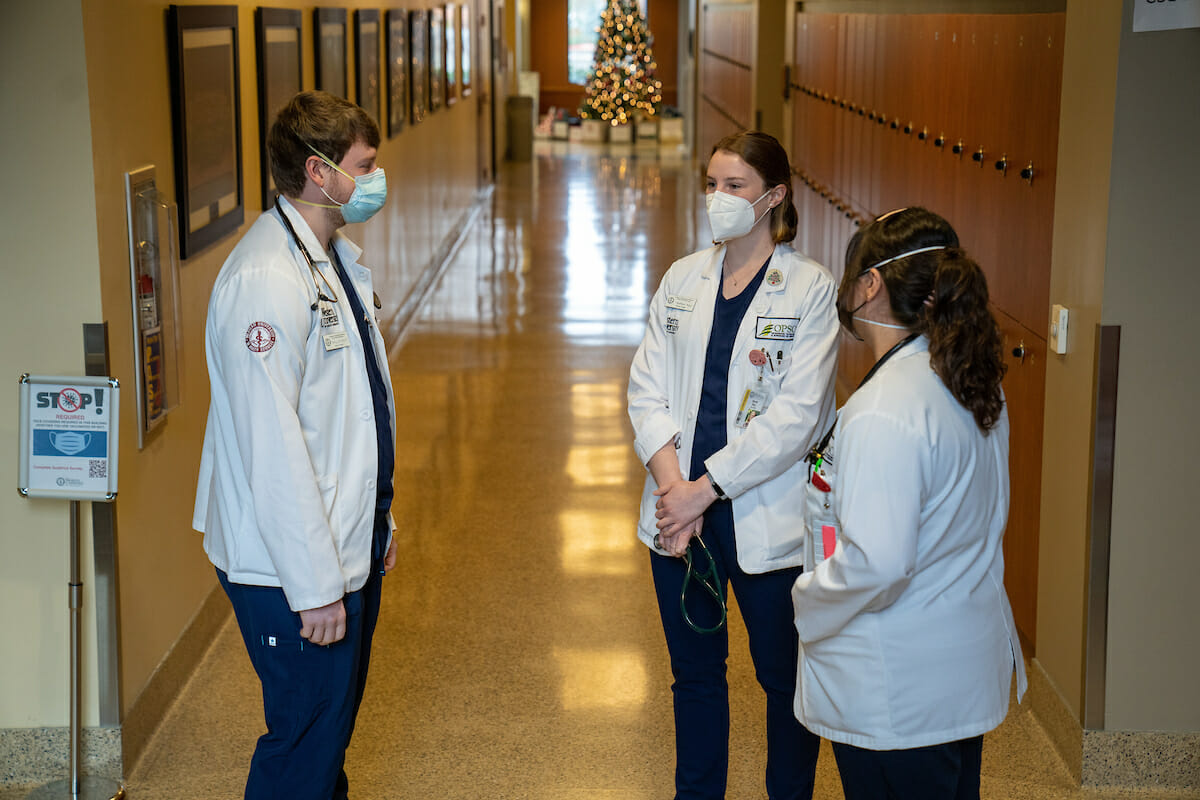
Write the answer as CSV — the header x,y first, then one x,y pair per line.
x,y
681,303
781,328
260,337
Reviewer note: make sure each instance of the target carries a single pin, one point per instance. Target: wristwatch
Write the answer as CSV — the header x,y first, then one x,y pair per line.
x,y
720,493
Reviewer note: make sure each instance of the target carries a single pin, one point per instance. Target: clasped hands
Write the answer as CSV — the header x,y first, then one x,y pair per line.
x,y
680,512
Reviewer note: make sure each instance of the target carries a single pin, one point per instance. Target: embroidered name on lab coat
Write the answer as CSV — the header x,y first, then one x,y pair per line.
x,y
781,328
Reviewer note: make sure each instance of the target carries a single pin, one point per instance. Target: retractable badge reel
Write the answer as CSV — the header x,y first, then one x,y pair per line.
x,y
754,401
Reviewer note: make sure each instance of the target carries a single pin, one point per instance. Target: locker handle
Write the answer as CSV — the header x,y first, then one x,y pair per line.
x,y
958,148
880,119
861,112
1002,165
908,129
1019,351
924,134
977,157
895,124
940,141
1027,173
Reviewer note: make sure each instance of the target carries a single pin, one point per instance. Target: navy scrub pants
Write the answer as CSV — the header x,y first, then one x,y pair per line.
x,y
311,694
941,772
701,693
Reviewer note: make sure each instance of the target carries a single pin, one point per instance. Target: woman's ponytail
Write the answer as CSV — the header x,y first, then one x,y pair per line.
x,y
935,289
964,340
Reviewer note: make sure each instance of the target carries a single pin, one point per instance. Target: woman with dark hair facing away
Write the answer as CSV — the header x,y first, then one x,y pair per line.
x,y
907,641
731,386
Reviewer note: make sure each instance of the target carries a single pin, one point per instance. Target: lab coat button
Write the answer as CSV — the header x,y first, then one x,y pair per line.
x,y
370,484
365,415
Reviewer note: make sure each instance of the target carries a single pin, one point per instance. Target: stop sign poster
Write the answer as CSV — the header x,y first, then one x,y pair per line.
x,y
68,437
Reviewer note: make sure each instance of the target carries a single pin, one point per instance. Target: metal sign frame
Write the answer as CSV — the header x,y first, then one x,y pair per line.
x,y
68,437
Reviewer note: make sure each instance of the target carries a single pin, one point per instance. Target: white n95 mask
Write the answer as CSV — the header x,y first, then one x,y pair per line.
x,y
731,216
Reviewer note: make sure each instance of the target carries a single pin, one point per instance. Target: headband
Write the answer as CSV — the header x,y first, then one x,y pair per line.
x,y
906,255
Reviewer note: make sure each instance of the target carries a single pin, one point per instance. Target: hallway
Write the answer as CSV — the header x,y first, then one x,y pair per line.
x,y
519,653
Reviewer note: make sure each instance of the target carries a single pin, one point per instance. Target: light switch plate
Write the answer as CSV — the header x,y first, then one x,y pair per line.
x,y
1059,316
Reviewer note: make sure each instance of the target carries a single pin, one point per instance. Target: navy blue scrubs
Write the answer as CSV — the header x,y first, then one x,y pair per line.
x,y
311,693
700,689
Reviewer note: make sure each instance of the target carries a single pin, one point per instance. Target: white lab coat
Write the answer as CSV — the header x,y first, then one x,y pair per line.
x,y
793,313
906,634
286,494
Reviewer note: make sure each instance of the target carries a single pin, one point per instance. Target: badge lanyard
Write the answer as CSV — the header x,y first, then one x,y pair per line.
x,y
312,267
817,456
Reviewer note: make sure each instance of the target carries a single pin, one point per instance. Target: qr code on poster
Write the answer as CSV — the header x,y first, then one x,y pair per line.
x,y
97,468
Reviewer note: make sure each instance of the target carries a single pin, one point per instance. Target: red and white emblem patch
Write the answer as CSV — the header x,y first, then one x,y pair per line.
x,y
260,337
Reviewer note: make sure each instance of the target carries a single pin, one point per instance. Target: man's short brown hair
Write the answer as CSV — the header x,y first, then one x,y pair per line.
x,y
314,121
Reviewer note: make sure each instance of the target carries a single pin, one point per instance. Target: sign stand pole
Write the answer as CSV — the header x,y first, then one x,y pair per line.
x,y
77,787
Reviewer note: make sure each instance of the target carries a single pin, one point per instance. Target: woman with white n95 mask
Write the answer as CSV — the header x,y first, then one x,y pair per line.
x,y
907,641
730,386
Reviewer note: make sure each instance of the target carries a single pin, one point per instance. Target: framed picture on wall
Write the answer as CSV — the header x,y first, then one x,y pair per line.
x,y
397,70
206,123
366,61
451,54
280,77
437,57
464,58
418,45
329,50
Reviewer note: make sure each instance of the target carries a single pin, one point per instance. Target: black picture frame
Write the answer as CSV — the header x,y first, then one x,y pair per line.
x,y
452,23
418,45
280,78
202,45
464,59
396,23
366,60
437,57
329,50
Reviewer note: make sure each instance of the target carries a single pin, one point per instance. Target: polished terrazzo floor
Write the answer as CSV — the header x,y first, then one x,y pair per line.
x,y
519,654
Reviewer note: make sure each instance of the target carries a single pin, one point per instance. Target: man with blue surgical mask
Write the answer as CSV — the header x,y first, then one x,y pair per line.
x,y
295,487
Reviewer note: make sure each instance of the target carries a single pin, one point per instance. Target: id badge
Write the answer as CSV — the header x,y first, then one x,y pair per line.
x,y
333,334
754,402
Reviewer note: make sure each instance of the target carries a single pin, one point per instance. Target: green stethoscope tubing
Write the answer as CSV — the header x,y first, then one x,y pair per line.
x,y
707,579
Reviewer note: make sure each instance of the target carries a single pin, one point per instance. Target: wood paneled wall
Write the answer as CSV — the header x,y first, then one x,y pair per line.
x,y
726,66
958,113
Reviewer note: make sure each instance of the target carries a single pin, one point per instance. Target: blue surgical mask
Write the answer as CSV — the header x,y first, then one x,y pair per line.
x,y
370,192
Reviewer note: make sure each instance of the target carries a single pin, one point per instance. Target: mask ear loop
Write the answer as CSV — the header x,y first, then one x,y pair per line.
x,y
708,580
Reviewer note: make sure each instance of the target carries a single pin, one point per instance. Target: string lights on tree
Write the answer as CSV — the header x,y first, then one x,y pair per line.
x,y
621,83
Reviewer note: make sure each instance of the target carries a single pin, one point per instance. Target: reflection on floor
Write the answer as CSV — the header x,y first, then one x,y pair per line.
x,y
519,653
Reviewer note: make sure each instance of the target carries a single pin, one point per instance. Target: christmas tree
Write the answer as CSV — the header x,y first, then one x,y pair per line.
x,y
621,81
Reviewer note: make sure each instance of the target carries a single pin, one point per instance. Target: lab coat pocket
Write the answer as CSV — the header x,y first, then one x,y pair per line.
x,y
840,685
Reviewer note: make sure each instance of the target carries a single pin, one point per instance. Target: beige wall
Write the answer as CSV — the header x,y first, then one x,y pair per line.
x,y
1151,284
1126,199
1076,281
68,219
51,287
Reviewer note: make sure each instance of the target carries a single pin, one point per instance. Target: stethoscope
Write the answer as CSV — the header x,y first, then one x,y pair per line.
x,y
706,577
312,267
708,580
